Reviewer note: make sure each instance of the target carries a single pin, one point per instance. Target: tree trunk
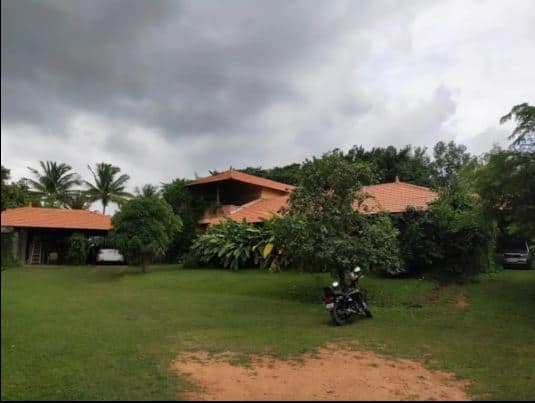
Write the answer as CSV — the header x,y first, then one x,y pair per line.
x,y
143,264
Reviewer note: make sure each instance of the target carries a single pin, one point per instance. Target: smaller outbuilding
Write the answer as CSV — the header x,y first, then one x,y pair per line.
x,y
40,235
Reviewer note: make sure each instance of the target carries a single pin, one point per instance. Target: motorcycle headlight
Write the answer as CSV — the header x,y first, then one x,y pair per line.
x,y
335,284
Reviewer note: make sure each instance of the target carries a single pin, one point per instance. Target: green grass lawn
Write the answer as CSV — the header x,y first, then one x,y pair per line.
x,y
111,333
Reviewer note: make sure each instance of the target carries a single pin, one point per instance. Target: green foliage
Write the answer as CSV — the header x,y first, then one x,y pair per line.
x,y
53,183
77,200
378,246
107,187
317,232
418,245
144,228
236,245
286,174
524,132
15,194
453,238
8,257
78,249
190,209
147,189
449,160
409,164
506,184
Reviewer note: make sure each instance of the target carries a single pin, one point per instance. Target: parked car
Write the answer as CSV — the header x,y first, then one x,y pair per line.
x,y
109,256
517,255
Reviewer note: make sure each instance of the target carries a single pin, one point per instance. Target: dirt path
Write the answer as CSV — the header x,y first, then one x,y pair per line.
x,y
330,375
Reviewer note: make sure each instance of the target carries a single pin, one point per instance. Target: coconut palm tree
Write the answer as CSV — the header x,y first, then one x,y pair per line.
x,y
53,183
107,187
77,200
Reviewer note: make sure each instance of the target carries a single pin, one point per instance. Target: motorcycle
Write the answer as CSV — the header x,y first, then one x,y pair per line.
x,y
346,299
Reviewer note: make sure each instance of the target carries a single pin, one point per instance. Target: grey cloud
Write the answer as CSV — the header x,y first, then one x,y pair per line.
x,y
185,68
166,88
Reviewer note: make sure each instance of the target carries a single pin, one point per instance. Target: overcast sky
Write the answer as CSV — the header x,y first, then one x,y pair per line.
x,y
169,89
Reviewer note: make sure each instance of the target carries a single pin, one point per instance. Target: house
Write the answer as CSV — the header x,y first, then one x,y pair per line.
x,y
40,235
240,196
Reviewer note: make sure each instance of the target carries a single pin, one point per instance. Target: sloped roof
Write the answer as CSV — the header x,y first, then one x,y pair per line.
x,y
389,197
254,211
246,178
38,217
395,197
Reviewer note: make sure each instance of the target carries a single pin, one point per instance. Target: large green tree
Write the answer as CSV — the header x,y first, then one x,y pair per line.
x,y
449,160
53,182
15,194
144,229
108,185
506,185
321,230
408,164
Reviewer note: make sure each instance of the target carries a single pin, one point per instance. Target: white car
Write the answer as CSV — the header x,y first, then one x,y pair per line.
x,y
517,255
109,256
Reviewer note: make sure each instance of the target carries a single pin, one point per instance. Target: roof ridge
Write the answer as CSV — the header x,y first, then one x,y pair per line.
x,y
418,186
400,183
246,178
234,172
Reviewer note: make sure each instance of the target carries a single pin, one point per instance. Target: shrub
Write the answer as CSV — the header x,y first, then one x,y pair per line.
x,y
452,238
144,229
78,249
8,257
237,245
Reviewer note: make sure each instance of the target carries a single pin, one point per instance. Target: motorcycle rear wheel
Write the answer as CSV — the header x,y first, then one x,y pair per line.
x,y
339,318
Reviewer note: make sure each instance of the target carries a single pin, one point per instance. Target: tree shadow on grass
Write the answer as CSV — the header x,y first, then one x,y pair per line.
x,y
110,273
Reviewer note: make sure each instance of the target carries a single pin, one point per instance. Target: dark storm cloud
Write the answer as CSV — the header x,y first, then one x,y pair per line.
x,y
185,68
169,88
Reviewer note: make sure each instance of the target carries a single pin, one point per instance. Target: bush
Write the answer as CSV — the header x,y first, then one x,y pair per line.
x,y
237,245
8,258
78,249
453,238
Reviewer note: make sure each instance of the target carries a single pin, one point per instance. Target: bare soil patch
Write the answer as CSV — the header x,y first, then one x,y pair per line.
x,y
331,374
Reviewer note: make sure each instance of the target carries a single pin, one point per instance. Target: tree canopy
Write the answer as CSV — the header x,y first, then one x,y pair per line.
x,y
53,183
144,228
107,186
523,135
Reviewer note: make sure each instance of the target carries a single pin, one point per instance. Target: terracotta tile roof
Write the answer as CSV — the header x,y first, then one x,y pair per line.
x,y
246,178
390,197
37,217
395,197
254,211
